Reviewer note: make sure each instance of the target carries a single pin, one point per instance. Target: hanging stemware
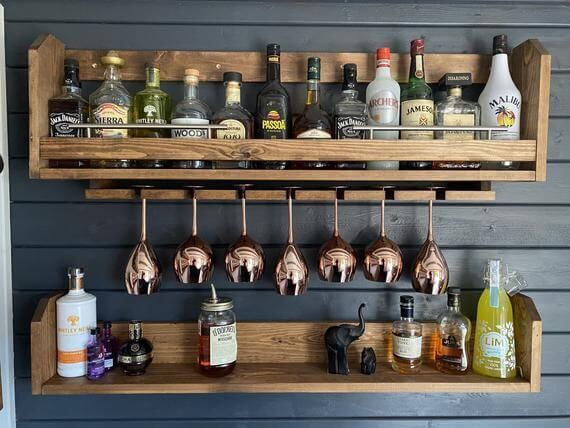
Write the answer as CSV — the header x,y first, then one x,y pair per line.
x,y
142,274
337,258
193,261
430,274
245,259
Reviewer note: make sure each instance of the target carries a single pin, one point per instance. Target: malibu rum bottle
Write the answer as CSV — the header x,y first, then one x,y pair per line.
x,y
417,103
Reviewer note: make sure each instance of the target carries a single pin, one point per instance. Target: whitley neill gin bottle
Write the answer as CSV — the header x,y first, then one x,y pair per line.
x,y
501,100
417,103
76,316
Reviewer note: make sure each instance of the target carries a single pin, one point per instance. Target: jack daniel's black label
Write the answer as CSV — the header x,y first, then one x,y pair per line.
x,y
59,124
343,126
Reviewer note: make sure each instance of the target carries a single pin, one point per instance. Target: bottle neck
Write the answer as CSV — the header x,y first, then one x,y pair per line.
x,y
69,89
406,313
453,307
152,77
190,90
107,332
273,69
455,92
417,72
75,285
135,332
112,72
383,68
500,66
233,95
313,92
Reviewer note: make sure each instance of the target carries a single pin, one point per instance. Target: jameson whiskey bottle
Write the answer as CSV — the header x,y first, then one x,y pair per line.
x,y
110,104
238,120
151,106
314,122
417,103
273,116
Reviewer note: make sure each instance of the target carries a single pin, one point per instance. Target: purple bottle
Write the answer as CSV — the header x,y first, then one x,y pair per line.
x,y
95,356
109,346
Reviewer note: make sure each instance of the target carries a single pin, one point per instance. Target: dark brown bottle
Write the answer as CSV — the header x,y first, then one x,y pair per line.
x,y
136,354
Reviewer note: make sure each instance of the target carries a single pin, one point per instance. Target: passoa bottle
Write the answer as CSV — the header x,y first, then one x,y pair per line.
x,y
383,101
501,100
494,353
76,316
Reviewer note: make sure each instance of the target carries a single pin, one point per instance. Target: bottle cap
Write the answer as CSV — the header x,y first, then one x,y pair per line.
x,y
70,63
112,58
75,272
314,68
273,49
453,296
350,73
455,79
94,331
417,47
107,324
383,53
407,301
232,76
152,64
500,44
215,303
191,72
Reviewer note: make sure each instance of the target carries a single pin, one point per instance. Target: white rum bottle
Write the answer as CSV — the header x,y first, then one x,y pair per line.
x,y
501,101
76,316
383,101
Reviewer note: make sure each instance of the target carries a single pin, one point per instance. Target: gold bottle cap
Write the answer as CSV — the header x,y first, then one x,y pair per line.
x,y
112,58
215,303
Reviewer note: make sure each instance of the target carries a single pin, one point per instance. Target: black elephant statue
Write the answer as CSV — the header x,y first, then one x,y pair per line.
x,y
337,340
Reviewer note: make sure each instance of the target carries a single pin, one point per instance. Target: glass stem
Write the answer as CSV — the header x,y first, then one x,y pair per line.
x,y
143,227
430,229
194,219
335,232
290,201
382,231
243,219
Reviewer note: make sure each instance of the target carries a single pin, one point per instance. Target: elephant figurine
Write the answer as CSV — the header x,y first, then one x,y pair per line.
x,y
337,340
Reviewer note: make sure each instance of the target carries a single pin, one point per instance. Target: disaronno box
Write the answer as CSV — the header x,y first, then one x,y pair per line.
x,y
76,315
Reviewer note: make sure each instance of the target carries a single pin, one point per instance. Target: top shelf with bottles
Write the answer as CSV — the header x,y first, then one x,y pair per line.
x,y
530,69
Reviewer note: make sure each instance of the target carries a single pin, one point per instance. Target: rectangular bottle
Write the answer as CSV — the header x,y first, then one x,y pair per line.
x,y
95,356
417,103
109,346
406,339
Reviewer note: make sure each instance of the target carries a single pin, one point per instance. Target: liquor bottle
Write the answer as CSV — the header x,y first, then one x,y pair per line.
x,y
191,111
151,106
383,101
109,346
453,334
501,100
406,339
273,116
76,316
95,356
136,354
349,111
455,111
110,104
494,353
314,122
238,120
417,103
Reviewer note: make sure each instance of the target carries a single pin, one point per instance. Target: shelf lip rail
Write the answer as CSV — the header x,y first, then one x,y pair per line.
x,y
90,126
487,129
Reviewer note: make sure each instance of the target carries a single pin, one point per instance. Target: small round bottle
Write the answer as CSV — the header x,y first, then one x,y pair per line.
x,y
217,353
136,354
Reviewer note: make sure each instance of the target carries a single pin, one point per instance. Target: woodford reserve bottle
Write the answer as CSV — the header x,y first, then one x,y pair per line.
x,y
417,103
110,104
273,116
314,122
238,120
501,100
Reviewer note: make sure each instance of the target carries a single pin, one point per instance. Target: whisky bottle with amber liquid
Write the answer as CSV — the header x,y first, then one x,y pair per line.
x,y
406,339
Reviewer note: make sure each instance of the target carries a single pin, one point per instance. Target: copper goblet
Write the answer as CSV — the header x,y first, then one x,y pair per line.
x,y
142,274
383,261
337,258
291,276
245,259
193,262
430,274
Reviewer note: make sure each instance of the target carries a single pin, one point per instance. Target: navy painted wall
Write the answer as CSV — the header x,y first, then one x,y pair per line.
x,y
52,226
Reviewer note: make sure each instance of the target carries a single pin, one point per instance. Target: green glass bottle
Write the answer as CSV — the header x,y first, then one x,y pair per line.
x,y
152,106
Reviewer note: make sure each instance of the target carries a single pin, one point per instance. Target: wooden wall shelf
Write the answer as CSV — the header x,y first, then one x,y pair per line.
x,y
279,357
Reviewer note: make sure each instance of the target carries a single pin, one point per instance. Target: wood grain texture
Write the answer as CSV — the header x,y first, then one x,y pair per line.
x,y
43,343
414,195
528,339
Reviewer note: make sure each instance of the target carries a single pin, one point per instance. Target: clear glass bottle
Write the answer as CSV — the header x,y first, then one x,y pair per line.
x,y
95,356
110,104
151,106
501,101
109,346
453,334
191,111
349,111
406,339
238,120
455,111
217,351
135,354
383,101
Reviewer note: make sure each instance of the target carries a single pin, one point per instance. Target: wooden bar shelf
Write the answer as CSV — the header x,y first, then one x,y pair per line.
x,y
279,357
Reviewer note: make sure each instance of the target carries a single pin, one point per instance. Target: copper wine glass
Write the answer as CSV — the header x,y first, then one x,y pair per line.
x,y
193,262
430,274
142,274
245,259
337,258
291,275
383,261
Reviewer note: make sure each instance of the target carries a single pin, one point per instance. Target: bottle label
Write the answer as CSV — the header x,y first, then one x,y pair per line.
x,y
451,349
417,113
273,124
314,133
453,119
494,345
130,359
59,124
233,93
383,108
235,130
151,113
343,126
407,347
71,357
223,344
419,73
111,114
193,133
503,110
494,284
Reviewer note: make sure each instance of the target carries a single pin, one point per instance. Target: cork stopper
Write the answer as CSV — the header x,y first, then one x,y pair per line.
x,y
191,76
112,58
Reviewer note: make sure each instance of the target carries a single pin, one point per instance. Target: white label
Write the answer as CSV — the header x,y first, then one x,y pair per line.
x,y
235,130
494,344
190,133
502,110
407,347
455,119
223,344
383,108
314,133
417,113
111,114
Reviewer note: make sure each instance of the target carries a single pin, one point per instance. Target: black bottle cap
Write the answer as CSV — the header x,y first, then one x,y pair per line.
x,y
406,301
500,44
273,49
453,296
70,63
107,324
450,80
349,77
314,68
94,331
232,76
